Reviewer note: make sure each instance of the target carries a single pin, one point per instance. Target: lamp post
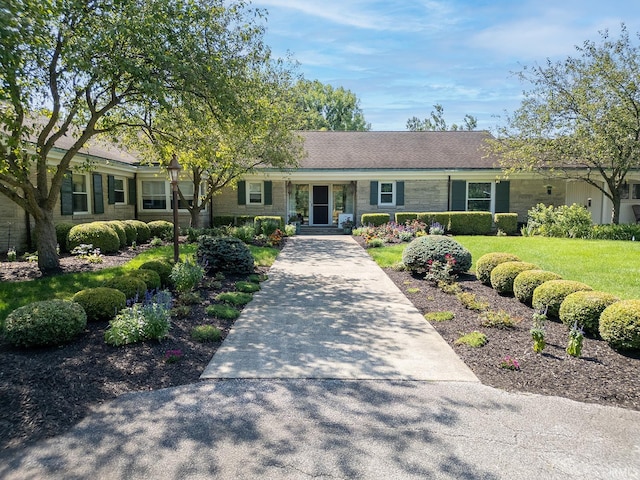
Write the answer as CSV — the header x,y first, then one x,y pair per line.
x,y
174,171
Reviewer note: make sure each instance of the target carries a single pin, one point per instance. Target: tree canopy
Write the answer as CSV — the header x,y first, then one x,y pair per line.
x,y
580,119
436,122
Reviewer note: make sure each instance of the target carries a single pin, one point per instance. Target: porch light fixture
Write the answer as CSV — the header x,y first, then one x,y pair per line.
x,y
174,170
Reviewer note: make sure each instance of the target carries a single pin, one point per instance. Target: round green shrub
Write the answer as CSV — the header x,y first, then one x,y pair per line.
x,y
131,286
161,229
526,282
486,263
150,277
62,235
549,295
101,303
161,268
423,251
503,275
247,287
584,308
130,230
143,234
119,228
620,325
224,254
50,322
98,234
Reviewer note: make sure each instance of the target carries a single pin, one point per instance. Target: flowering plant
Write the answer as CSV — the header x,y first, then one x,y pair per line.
x,y
537,332
510,363
12,255
172,356
576,336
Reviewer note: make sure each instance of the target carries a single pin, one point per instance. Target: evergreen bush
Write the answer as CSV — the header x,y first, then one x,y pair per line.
x,y
163,269
526,282
143,233
118,226
620,325
224,254
584,309
550,295
99,234
62,235
423,251
131,286
504,274
486,263
150,277
161,229
101,303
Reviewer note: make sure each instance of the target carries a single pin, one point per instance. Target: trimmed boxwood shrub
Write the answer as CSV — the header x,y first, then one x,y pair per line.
x,y
374,219
118,226
584,308
50,322
101,303
62,235
224,254
460,223
98,234
507,222
150,277
620,325
161,229
422,251
486,263
404,217
143,234
131,286
527,281
504,274
550,295
130,230
161,268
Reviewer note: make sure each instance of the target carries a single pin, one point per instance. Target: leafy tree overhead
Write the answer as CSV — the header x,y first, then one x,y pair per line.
x,y
436,122
83,68
322,107
580,119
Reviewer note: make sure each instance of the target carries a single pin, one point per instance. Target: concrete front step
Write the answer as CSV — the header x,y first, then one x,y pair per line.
x,y
313,230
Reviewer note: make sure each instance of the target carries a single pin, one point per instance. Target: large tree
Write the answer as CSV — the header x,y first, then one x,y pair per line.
x,y
323,107
436,122
83,68
580,119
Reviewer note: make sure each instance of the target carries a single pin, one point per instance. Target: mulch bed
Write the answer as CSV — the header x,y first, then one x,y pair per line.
x,y
44,392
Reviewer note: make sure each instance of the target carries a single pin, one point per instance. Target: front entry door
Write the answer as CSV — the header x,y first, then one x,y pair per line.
x,y
321,205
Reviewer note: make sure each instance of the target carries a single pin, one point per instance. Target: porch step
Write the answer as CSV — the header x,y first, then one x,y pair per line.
x,y
322,230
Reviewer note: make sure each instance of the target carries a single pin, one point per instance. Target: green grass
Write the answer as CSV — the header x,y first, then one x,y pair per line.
x,y
264,256
607,265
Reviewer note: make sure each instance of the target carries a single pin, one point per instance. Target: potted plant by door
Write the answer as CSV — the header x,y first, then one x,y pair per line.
x,y
347,226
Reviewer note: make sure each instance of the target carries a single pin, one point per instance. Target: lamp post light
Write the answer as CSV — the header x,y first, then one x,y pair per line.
x,y
174,171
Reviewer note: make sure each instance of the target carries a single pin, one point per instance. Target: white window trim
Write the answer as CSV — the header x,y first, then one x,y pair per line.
x,y
492,200
248,194
124,189
393,194
168,194
88,185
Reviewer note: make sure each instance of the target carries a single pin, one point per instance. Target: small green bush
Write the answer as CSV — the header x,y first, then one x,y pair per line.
x,y
257,278
118,226
498,319
527,281
132,287
100,304
460,223
374,219
225,312
444,316
247,287
504,274
266,224
563,221
507,222
150,277
615,232
473,339
470,301
206,333
549,295
620,325
234,298
486,263
143,233
246,233
50,322
130,230
224,254
142,321
404,217
186,276
161,229
98,234
223,220
423,251
161,268
584,308
62,235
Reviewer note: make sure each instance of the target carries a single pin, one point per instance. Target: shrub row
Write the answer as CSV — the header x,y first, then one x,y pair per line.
x,y
110,236
456,223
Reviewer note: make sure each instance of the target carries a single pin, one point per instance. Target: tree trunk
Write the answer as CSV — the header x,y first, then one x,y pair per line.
x,y
615,213
195,217
46,242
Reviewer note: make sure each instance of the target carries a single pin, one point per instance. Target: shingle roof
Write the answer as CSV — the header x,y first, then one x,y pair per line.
x,y
99,148
396,150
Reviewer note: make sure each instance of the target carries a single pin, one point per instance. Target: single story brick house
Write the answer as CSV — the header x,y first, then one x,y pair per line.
x,y
343,173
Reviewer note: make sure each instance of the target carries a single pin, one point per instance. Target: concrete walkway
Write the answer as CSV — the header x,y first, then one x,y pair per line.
x,y
331,373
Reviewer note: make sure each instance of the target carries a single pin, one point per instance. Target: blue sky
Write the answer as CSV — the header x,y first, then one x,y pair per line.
x,y
402,57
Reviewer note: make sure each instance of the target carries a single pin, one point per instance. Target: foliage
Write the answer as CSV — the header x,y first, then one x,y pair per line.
x,y
246,232
436,122
234,298
498,319
510,363
473,339
550,295
225,312
423,251
615,232
118,226
487,262
289,230
132,287
11,254
506,222
151,278
190,298
503,276
49,322
161,229
98,234
442,273
470,301
149,320
257,278
526,282
443,316
266,224
162,268
580,119
206,333
62,234
143,233
131,232
537,331
247,287
87,252
173,356
460,223
101,303
562,221
576,337
584,309
185,276
374,219
620,325
224,254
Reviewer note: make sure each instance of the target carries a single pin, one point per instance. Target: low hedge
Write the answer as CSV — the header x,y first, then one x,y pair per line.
x,y
620,325
487,262
130,230
223,220
118,226
503,276
526,282
62,235
143,233
460,223
161,229
99,234
404,217
244,219
550,295
374,219
615,232
506,222
585,308
100,304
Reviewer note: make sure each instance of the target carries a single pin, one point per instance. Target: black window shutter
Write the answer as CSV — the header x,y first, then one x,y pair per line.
x,y
268,193
98,196
502,197
373,194
242,192
66,195
111,187
399,193
131,186
458,195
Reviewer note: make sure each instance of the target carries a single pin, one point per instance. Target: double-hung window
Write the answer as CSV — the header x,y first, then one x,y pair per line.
x,y
387,193
118,190
479,196
254,193
154,195
80,193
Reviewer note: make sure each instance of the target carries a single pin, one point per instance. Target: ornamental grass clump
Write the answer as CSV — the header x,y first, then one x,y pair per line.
x,y
486,263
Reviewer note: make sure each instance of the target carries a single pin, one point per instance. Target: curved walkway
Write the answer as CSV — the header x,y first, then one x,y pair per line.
x,y
331,373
